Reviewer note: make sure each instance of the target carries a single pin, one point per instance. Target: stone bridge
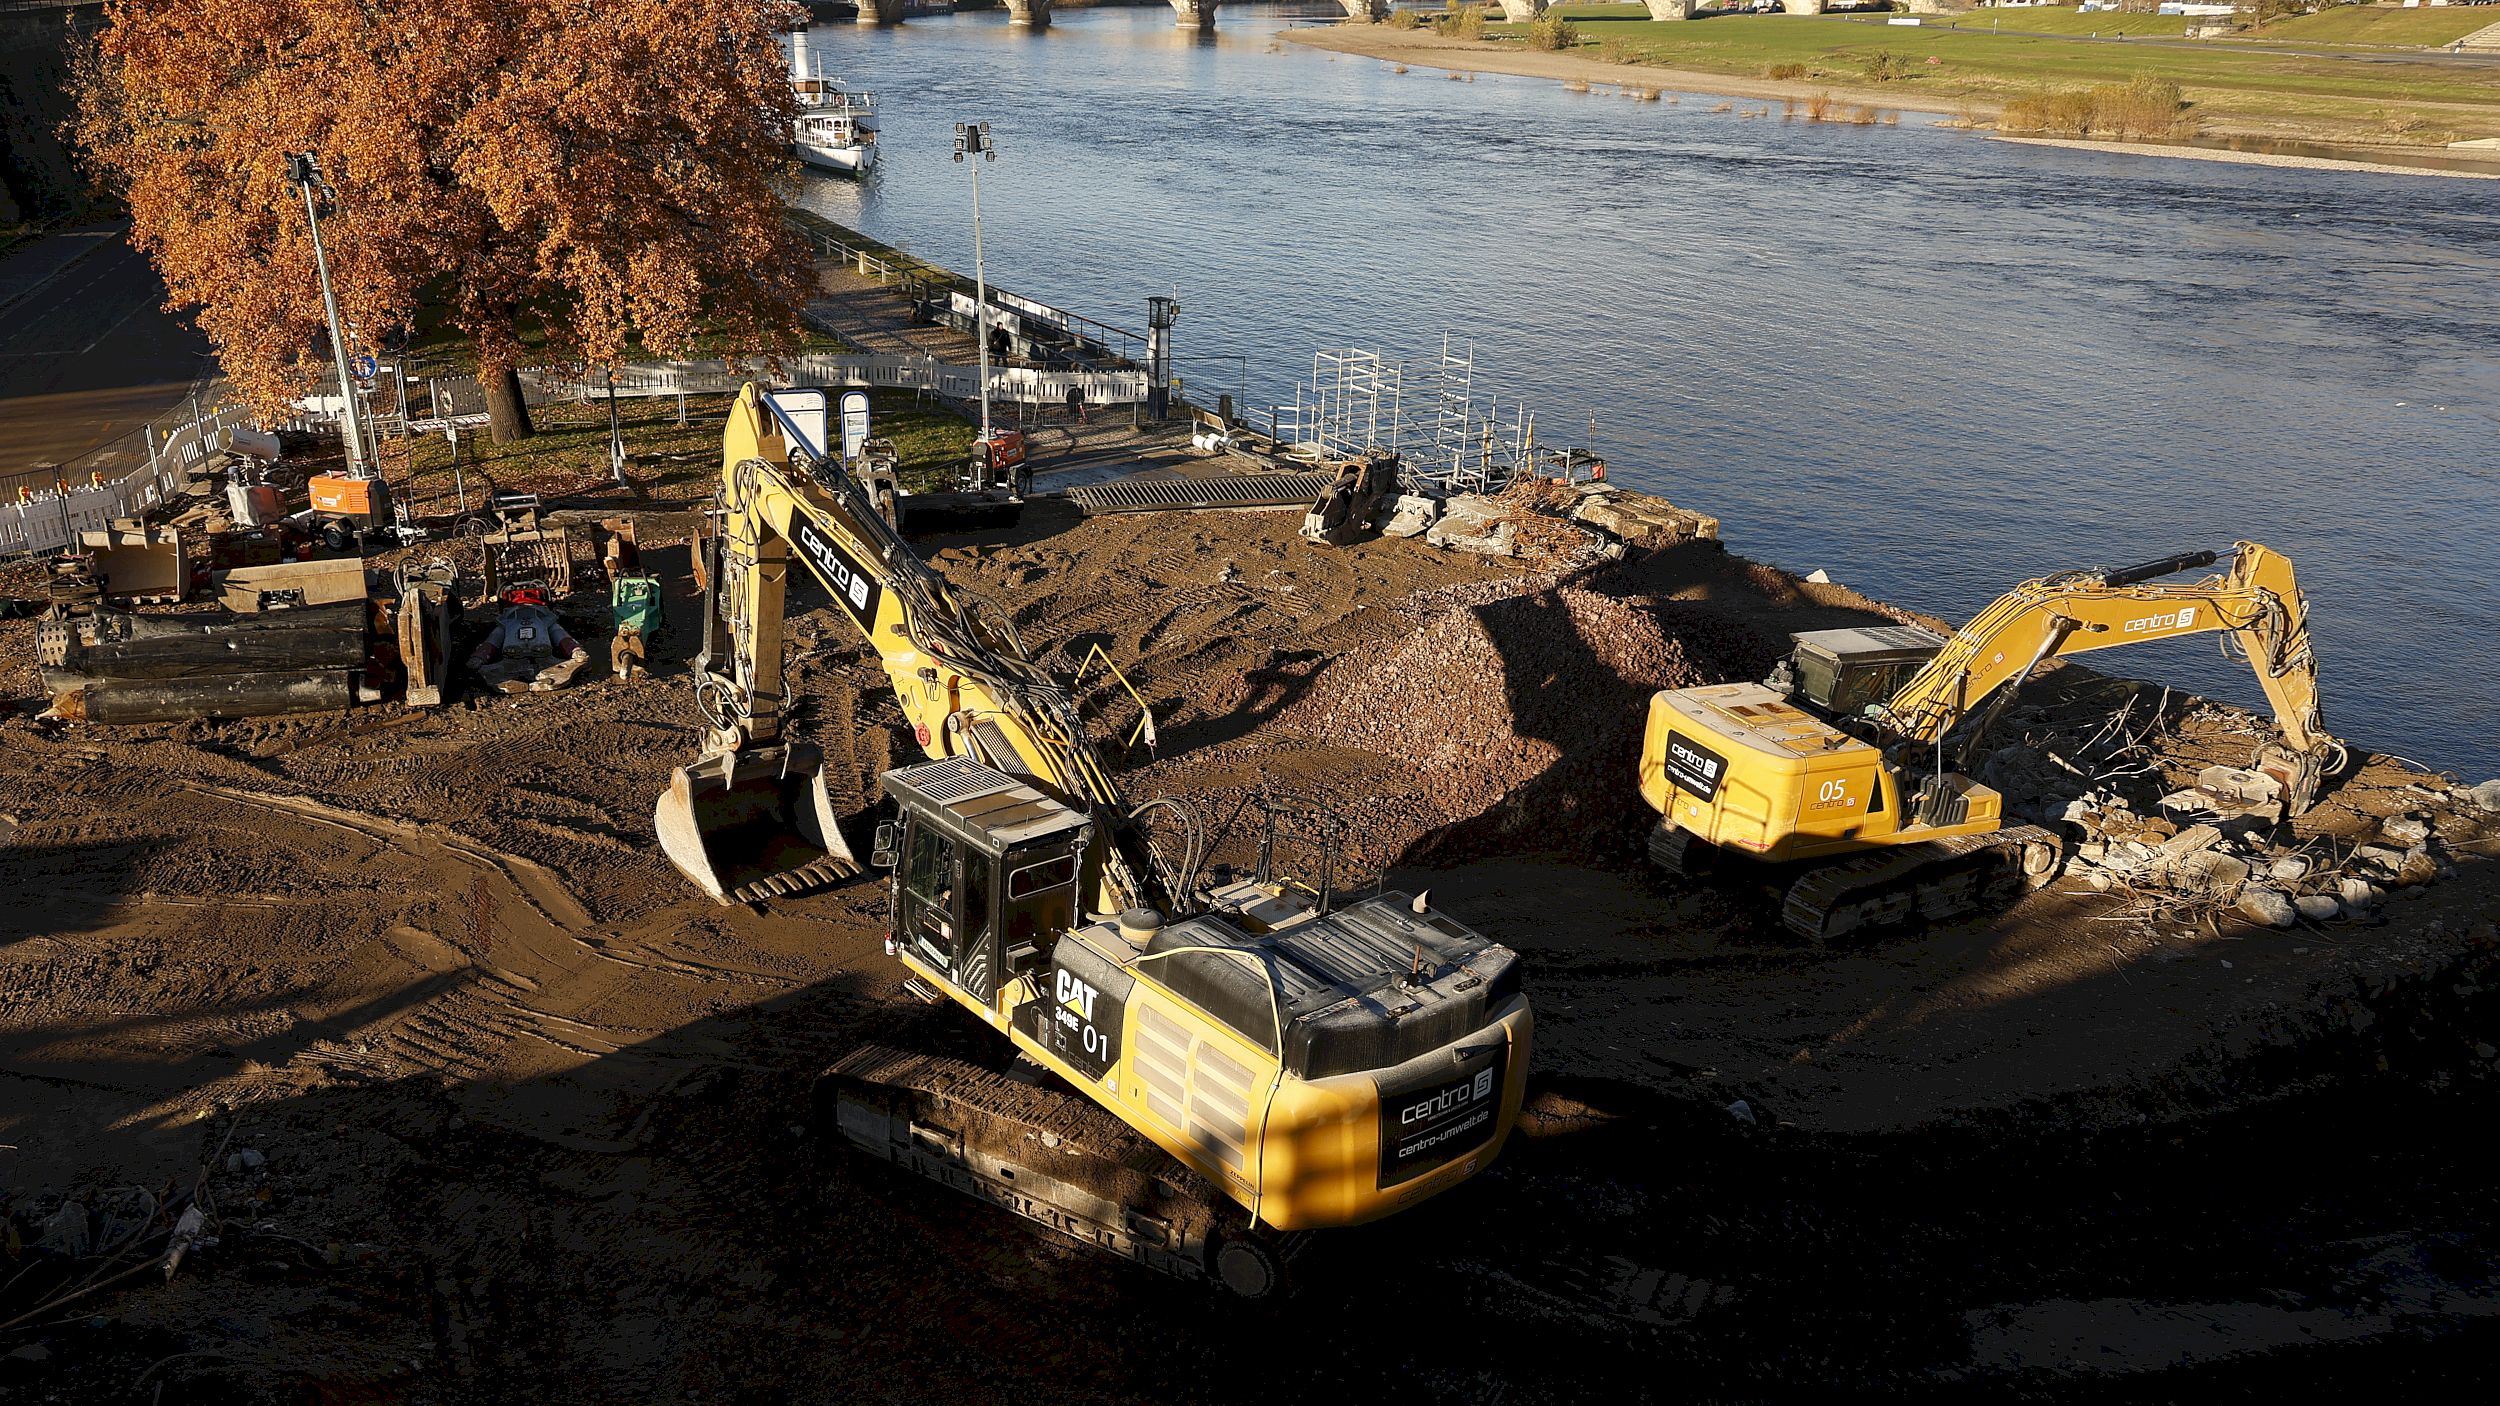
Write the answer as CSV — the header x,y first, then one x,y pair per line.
x,y
1188,14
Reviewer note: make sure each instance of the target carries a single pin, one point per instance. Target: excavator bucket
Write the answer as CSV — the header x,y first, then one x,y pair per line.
x,y
755,824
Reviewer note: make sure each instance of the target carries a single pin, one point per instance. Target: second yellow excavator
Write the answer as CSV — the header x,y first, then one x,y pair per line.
x,y
1838,765
1247,1059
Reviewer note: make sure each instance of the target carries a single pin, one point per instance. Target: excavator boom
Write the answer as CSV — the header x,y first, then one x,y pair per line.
x,y
2076,613
750,818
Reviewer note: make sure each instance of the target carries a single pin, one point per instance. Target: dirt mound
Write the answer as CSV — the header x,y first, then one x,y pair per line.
x,y
1514,714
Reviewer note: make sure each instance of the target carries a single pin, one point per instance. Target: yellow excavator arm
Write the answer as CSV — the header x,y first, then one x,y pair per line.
x,y
2078,612
964,679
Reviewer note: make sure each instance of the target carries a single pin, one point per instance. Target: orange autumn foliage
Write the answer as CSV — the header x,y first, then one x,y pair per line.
x,y
593,171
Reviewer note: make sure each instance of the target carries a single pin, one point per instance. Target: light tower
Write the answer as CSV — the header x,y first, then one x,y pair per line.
x,y
303,169
973,139
1161,313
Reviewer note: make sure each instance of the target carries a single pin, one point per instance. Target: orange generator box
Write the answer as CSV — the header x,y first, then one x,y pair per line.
x,y
366,498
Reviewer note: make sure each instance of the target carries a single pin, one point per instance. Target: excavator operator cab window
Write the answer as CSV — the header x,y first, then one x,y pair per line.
x,y
1040,904
1842,673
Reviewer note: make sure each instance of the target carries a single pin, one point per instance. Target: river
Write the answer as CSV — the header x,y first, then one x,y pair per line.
x,y
1929,363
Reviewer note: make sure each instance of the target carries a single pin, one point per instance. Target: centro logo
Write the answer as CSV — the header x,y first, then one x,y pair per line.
x,y
1701,764
2181,619
1448,1100
845,581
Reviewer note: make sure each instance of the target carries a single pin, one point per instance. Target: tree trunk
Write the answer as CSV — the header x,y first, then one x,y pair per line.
x,y
507,414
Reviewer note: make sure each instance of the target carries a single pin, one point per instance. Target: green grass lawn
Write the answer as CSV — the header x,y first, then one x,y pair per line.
x,y
2322,97
569,454
2384,24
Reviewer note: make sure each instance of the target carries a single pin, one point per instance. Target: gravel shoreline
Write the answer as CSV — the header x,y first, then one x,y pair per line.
x,y
2253,158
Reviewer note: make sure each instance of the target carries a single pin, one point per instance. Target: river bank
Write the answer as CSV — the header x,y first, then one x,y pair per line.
x,y
1975,109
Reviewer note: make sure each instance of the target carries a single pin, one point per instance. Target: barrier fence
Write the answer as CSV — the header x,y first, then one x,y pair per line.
x,y
43,521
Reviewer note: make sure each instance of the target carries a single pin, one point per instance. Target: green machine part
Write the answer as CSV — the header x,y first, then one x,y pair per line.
x,y
635,600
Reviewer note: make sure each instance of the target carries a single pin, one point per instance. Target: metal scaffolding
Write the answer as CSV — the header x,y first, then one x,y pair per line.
x,y
1446,438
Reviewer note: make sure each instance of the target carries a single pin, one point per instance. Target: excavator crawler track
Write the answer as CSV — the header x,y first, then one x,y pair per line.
x,y
1670,848
1054,1158
1936,880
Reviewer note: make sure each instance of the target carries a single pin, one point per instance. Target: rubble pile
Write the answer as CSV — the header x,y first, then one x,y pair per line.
x,y
1516,709
2226,843
1535,519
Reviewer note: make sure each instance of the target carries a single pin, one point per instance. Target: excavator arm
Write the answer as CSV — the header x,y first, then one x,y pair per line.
x,y
2257,600
750,817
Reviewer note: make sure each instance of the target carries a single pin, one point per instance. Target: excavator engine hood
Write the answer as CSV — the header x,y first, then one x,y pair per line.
x,y
753,824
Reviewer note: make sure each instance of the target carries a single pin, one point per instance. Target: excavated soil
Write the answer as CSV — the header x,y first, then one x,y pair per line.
x,y
492,1107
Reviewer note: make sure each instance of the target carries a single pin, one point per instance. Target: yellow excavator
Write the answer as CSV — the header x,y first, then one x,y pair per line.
x,y
1252,1061
1838,765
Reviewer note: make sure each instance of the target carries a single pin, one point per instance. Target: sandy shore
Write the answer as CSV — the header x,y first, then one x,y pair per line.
x,y
2254,158
1431,50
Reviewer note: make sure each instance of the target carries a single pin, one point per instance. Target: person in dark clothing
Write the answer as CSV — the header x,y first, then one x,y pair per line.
x,y
1076,402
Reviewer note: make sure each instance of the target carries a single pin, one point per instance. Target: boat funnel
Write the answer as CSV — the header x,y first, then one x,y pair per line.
x,y
753,824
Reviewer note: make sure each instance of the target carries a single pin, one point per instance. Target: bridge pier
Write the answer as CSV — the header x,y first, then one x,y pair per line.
x,y
1672,9
1194,14
1522,11
1370,11
880,11
1033,12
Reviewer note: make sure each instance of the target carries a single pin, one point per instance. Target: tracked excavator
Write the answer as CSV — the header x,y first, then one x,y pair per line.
x,y
1247,1063
1846,770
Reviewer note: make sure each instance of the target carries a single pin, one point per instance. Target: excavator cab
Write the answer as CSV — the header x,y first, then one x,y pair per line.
x,y
984,879
1842,673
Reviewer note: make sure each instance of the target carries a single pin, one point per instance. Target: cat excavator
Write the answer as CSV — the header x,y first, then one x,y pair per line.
x,y
1836,769
1249,1063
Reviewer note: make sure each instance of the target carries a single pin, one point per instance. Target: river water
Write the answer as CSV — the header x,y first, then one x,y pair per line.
x,y
1930,363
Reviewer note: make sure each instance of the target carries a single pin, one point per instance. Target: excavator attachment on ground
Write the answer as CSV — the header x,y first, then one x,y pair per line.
x,y
754,824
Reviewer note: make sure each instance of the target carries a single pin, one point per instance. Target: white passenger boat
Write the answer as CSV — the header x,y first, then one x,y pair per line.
x,y
837,126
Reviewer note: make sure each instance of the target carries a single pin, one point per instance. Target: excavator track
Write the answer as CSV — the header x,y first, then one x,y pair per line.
x,y
1670,848
1936,880
1056,1159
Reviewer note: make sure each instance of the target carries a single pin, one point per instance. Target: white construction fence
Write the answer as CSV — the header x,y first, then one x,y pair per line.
x,y
48,520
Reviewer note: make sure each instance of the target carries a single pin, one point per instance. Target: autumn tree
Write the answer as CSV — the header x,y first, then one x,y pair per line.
x,y
558,178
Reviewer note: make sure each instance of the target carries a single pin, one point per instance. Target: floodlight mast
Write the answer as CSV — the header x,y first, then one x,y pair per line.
x,y
303,170
973,139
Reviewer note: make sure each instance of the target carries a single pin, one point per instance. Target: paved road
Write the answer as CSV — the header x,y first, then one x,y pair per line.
x,y
86,353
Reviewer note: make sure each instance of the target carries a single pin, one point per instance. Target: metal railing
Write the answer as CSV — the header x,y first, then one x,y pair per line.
x,y
47,521
1116,341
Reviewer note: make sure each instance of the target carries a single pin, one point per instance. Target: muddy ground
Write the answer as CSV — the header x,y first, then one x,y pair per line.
x,y
493,1107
